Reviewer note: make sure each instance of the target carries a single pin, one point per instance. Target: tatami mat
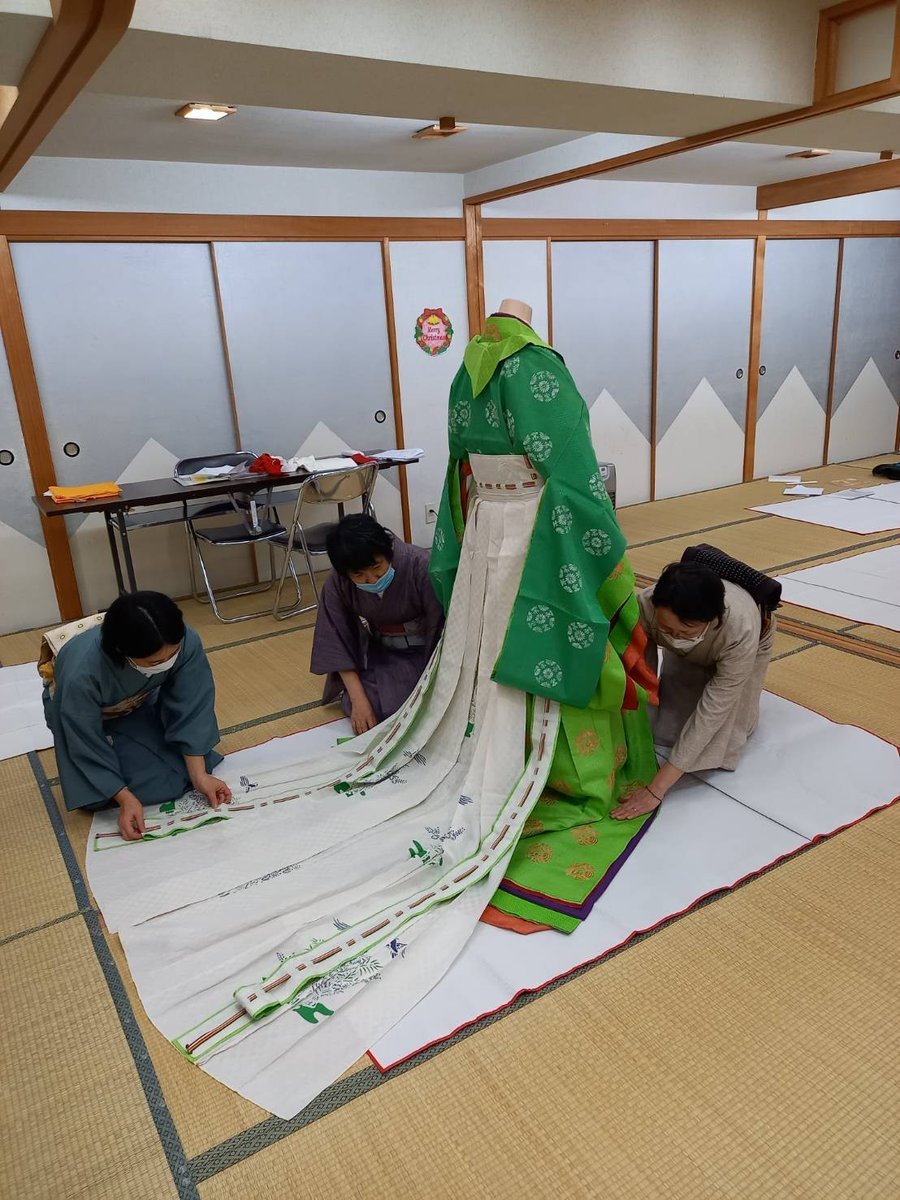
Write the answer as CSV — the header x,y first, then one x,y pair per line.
x,y
846,688
75,1119
707,1061
747,1050
34,882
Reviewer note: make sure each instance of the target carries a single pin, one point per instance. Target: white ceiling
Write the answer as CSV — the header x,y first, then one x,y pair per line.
x,y
132,127
741,164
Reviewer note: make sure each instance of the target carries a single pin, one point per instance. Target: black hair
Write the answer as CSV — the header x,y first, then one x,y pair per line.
x,y
140,624
356,541
693,592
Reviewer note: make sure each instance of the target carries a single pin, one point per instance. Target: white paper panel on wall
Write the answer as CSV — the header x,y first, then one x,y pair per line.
x,y
795,354
128,356
307,338
27,598
427,275
703,346
867,364
603,327
517,271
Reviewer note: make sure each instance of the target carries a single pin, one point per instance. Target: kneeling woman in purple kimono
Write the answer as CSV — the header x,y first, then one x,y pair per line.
x,y
378,623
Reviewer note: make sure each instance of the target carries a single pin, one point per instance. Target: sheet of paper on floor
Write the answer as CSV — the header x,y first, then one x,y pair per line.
x,y
864,588
22,724
801,776
878,512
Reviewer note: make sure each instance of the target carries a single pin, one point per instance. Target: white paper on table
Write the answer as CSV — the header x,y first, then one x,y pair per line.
x,y
403,456
784,479
802,490
22,724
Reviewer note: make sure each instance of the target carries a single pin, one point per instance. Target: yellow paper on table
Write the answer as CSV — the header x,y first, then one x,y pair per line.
x,y
86,491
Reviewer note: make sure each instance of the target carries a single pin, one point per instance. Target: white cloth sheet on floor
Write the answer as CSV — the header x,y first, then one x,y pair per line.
x,y
343,888
878,511
864,588
801,776
22,724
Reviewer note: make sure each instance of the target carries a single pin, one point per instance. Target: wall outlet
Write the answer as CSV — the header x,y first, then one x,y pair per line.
x,y
431,514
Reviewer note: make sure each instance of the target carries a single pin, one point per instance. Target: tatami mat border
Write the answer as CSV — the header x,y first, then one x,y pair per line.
x,y
159,1111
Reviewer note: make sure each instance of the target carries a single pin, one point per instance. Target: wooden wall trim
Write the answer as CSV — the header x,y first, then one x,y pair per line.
x,y
223,331
550,291
654,370
474,269
756,308
855,181
828,42
24,226
576,229
395,379
829,404
34,434
83,34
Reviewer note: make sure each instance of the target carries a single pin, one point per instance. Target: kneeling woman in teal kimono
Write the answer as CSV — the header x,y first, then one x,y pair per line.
x,y
131,706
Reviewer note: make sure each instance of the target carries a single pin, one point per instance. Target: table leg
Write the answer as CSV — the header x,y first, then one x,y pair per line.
x,y
126,550
114,552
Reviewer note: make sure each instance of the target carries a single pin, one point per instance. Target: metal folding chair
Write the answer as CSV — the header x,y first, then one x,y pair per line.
x,y
330,487
256,525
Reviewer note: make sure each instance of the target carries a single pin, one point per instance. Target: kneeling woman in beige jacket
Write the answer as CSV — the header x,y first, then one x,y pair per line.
x,y
716,646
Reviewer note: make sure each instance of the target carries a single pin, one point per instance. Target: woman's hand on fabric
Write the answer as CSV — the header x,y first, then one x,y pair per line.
x,y
636,806
215,790
131,816
362,716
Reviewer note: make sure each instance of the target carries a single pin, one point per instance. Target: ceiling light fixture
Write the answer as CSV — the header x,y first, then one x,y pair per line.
x,y
808,154
198,110
445,127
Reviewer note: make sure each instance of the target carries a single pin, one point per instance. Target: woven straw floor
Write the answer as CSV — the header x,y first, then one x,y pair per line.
x,y
749,1049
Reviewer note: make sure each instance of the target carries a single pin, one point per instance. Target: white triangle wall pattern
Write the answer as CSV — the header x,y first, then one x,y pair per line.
x,y
618,440
27,598
703,447
790,435
160,553
866,421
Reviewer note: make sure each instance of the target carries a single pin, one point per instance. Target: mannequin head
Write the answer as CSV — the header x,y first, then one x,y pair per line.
x,y
515,308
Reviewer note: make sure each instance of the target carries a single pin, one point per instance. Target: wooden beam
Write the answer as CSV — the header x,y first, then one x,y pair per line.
x,y
21,226
868,93
474,269
395,379
873,177
34,434
550,291
81,38
829,405
654,371
759,262
617,230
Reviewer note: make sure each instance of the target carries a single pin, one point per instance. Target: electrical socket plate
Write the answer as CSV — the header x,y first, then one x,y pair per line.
x,y
431,514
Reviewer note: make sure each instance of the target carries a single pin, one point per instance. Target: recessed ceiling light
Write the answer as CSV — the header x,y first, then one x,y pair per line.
x,y
445,127
808,154
200,111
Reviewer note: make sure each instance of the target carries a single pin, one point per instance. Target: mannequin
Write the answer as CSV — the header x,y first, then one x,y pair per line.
x,y
516,308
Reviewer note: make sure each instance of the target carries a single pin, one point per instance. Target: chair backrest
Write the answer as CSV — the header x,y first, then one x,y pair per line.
x,y
336,487
239,458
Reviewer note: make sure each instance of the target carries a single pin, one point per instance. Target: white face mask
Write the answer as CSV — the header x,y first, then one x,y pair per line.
x,y
688,643
157,668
